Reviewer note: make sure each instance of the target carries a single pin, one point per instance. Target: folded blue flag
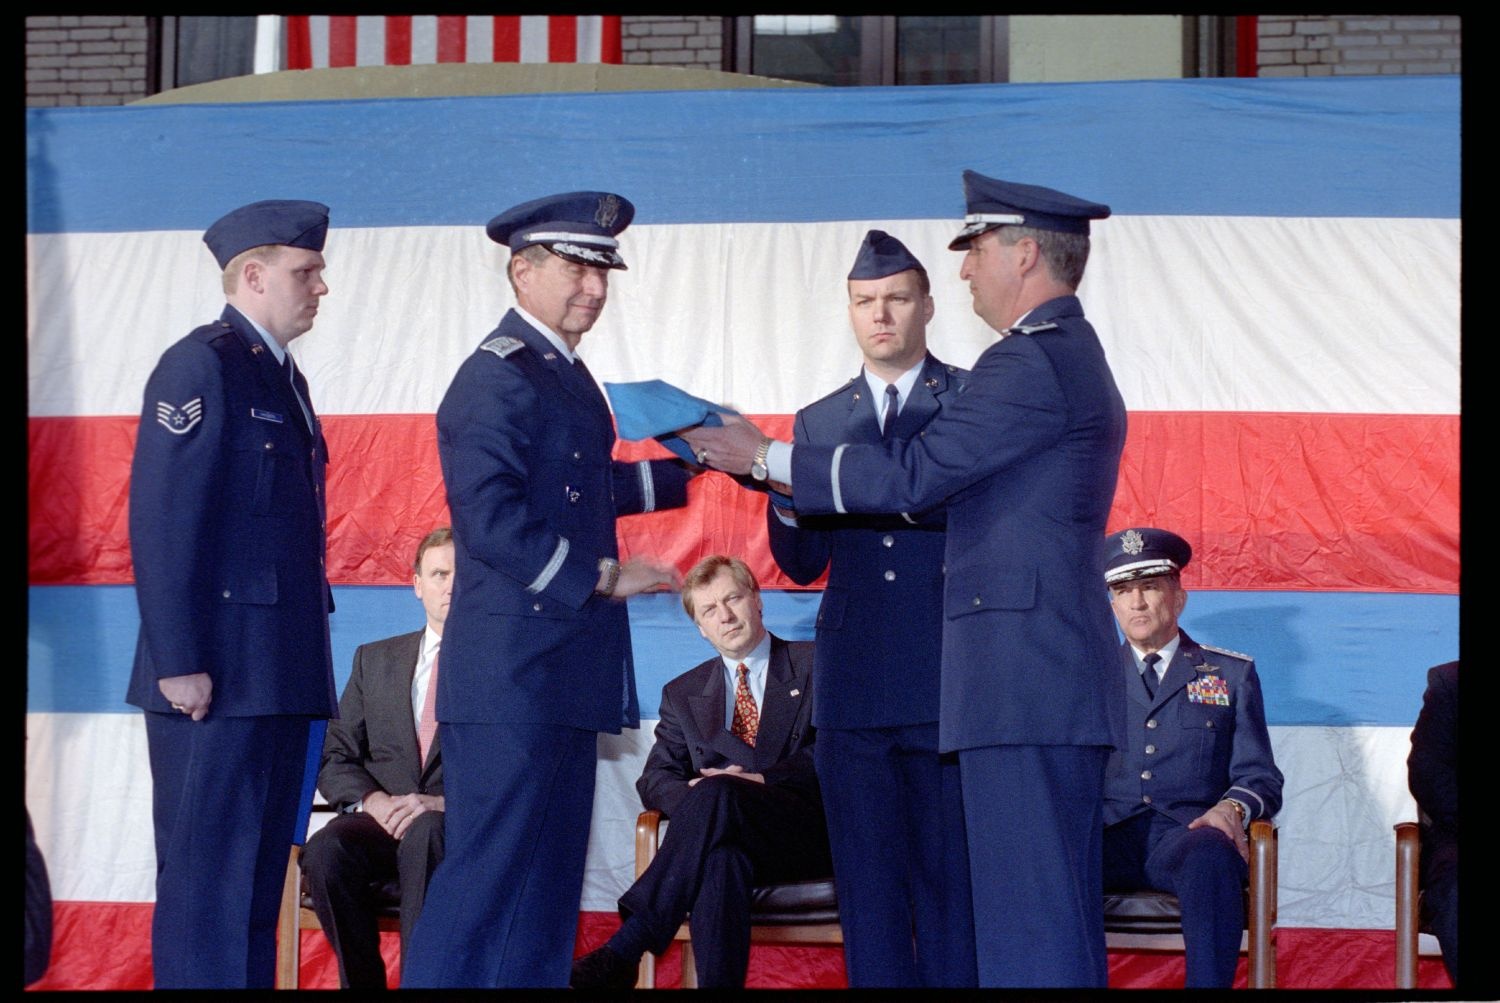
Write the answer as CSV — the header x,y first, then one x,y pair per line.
x,y
655,409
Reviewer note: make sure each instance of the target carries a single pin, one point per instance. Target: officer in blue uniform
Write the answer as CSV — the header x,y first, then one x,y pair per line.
x,y
1194,766
228,537
536,652
1026,458
895,814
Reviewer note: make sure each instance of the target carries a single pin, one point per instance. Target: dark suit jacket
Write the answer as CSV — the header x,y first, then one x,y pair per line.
x,y
1026,456
691,735
373,744
880,623
228,530
1208,740
524,437
1432,767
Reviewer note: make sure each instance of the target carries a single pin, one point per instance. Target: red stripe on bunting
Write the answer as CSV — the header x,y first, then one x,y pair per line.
x,y
398,40
343,40
562,39
298,42
611,45
107,946
452,38
1296,502
507,38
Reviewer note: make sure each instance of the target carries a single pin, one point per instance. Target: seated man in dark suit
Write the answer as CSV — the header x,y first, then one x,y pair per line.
x,y
732,768
1432,774
381,768
1193,768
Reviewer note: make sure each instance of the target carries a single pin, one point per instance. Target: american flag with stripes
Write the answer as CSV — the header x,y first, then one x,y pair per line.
x,y
318,41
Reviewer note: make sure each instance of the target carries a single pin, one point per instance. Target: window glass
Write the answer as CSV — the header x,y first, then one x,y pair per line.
x,y
937,50
818,48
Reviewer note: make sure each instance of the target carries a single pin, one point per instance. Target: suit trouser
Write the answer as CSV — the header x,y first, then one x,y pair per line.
x,y
726,837
346,862
1034,817
502,907
900,859
1439,873
225,794
1203,869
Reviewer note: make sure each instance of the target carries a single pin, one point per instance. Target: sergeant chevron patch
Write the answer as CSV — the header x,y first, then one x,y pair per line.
x,y
179,420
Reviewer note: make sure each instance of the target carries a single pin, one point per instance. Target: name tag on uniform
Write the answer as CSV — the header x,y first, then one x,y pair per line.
x,y
256,412
1209,690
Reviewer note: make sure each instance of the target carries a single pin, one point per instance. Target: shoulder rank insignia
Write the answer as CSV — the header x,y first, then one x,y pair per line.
x,y
1212,690
1226,651
1031,328
179,420
503,346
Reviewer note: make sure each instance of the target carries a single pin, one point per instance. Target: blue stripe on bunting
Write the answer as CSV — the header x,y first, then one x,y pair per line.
x,y
1325,658
1373,147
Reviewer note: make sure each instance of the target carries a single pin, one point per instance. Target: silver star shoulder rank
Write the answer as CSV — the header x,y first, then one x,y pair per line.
x,y
179,419
1226,651
503,346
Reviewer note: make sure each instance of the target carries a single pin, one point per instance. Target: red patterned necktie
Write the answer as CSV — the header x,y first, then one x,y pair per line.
x,y
746,718
427,727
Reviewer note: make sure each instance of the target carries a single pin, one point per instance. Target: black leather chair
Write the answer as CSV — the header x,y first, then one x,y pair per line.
x,y
799,912
1139,920
297,914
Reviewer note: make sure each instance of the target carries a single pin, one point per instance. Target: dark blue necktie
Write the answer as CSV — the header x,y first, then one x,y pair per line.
x,y
1149,676
892,406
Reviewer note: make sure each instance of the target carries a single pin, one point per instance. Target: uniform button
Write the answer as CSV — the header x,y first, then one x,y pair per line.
x,y
577,454
1145,774
890,576
536,607
888,540
1150,750
1151,723
317,489
270,445
1146,798
978,601
573,497
1209,725
226,593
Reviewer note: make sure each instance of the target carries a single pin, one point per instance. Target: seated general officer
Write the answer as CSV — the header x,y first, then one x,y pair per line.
x,y
732,768
1194,767
383,769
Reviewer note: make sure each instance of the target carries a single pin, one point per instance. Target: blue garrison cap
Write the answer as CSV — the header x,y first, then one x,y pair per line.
x,y
578,226
992,202
881,255
1143,552
289,222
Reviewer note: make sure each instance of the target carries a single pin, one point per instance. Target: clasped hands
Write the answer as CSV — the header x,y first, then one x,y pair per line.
x,y
733,770
397,812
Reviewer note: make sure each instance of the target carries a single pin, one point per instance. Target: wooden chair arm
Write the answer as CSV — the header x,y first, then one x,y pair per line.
x,y
1262,918
647,839
1408,852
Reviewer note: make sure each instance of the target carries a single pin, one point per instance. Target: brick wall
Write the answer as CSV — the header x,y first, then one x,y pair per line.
x,y
1309,45
673,41
85,60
